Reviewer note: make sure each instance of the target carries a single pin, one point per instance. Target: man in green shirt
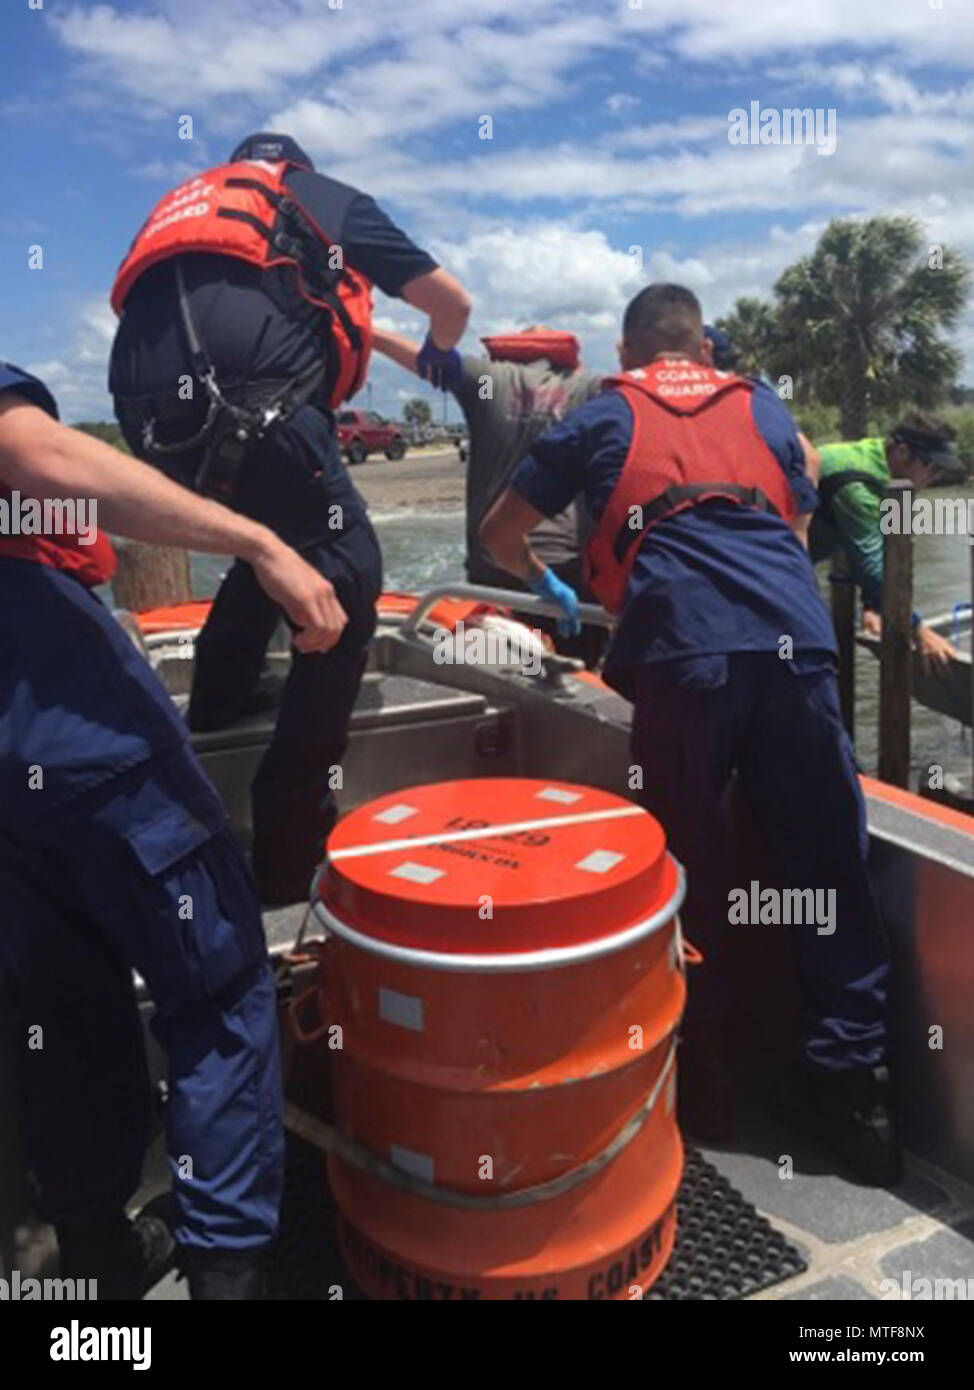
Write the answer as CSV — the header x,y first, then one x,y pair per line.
x,y
853,476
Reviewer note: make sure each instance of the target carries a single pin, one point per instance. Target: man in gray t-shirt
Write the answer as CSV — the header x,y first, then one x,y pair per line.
x,y
507,404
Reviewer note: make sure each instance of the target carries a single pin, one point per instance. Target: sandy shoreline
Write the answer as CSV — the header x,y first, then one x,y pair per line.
x,y
420,482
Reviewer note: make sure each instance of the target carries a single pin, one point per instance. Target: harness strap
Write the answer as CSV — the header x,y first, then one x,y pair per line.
x,y
327,1137
202,365
300,251
271,194
245,423
669,500
280,241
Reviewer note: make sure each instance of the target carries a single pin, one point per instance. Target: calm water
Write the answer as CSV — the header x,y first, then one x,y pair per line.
x,y
421,550
941,578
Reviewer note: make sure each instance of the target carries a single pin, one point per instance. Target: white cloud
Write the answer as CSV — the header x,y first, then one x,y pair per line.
x,y
78,375
542,271
388,96
621,101
171,171
713,30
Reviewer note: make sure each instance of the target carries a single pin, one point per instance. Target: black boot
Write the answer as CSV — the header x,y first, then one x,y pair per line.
x,y
125,1257
704,1085
223,1275
849,1112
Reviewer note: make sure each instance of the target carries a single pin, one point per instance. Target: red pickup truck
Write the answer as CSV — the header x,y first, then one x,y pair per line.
x,y
363,432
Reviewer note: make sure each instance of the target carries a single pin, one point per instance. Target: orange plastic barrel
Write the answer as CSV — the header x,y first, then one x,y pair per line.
x,y
505,967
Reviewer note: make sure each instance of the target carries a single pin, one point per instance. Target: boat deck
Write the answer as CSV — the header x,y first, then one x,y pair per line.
x,y
413,726
851,1238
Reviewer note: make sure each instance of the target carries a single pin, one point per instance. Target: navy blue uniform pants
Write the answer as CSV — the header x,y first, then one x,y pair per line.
x,y
777,725
116,854
294,482
293,793
144,873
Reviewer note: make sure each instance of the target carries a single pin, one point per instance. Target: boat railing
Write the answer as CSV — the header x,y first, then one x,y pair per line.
x,y
951,624
589,613
955,625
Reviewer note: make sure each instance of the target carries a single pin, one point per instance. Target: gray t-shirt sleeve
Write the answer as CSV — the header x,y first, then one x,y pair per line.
x,y
474,372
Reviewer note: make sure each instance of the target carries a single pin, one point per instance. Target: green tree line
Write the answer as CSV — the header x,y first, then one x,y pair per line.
x,y
856,331
106,430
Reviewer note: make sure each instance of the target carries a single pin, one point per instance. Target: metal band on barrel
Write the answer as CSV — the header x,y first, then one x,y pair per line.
x,y
550,958
325,1136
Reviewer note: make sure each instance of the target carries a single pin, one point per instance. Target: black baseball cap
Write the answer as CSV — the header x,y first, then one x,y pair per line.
x,y
269,145
725,354
933,444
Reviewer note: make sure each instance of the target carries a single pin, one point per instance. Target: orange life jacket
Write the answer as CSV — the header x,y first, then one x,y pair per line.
x,y
694,439
560,349
93,564
246,210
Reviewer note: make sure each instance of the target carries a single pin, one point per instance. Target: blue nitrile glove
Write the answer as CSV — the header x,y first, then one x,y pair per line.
x,y
441,367
549,586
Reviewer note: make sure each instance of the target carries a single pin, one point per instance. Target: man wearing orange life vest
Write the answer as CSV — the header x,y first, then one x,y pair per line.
x,y
116,854
246,304
698,481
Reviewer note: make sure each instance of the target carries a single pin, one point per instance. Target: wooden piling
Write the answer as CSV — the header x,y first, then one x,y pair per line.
x,y
843,594
150,576
896,659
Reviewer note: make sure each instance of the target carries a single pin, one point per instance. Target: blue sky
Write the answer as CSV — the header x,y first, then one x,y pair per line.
x,y
610,125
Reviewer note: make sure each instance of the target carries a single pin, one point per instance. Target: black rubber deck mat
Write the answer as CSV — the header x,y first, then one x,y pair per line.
x,y
724,1248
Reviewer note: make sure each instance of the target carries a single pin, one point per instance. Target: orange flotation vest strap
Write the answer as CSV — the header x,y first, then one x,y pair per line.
x,y
694,440
92,564
560,349
245,210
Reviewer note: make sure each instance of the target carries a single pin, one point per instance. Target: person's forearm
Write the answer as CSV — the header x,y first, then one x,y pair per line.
x,y
448,324
133,499
445,303
856,517
866,560
400,349
513,554
813,463
800,526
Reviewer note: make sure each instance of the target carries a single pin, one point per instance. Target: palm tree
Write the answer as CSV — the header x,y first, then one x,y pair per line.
x,y
417,413
752,326
860,319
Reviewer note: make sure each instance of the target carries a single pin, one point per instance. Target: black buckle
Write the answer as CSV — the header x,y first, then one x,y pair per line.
x,y
225,454
289,245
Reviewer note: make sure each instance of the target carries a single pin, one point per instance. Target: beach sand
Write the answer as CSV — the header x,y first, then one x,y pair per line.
x,y
424,481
